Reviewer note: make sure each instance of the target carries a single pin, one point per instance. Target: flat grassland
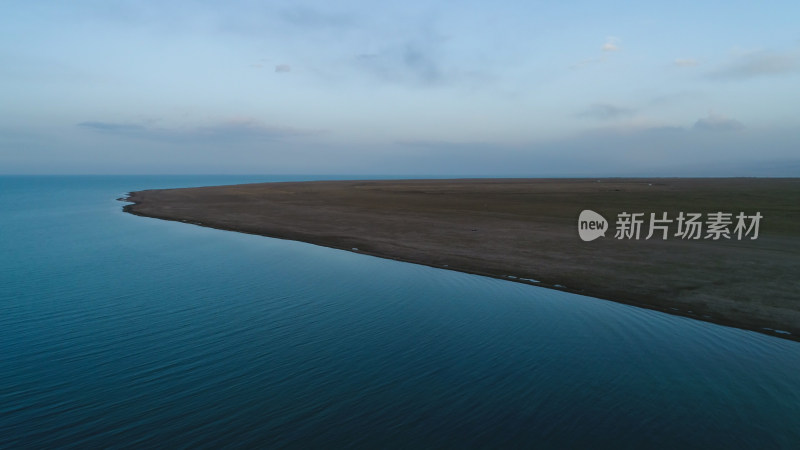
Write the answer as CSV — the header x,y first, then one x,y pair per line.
x,y
526,229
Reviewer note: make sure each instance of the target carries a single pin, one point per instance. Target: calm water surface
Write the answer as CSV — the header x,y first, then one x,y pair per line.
x,y
117,330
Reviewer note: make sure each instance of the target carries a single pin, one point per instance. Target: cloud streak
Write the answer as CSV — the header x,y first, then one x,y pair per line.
x,y
626,150
717,122
686,62
757,64
605,111
305,17
236,130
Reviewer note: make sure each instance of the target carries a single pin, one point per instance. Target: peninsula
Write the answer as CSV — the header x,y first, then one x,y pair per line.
x,y
526,230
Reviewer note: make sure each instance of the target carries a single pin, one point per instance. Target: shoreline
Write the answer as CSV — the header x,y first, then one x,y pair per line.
x,y
194,206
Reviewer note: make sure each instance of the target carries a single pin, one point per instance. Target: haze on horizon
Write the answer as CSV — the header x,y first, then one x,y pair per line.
x,y
508,88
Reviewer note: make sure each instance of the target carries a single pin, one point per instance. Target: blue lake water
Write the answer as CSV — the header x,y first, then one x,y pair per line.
x,y
118,330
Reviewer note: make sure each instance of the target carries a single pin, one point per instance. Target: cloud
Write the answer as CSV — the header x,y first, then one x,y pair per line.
x,y
678,97
605,111
611,44
238,129
717,122
686,62
587,62
645,149
283,68
610,47
641,130
226,131
302,16
265,19
415,62
757,64
114,128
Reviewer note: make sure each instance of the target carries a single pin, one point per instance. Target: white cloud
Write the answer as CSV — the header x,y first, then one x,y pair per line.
x,y
611,44
283,68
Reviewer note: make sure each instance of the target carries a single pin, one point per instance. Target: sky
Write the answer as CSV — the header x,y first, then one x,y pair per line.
x,y
505,88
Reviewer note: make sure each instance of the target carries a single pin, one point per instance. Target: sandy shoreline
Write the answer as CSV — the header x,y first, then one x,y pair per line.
x,y
526,229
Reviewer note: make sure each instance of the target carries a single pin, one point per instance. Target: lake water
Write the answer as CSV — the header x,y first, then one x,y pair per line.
x,y
118,330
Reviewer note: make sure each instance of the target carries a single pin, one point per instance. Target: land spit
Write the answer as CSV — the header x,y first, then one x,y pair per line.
x,y
526,230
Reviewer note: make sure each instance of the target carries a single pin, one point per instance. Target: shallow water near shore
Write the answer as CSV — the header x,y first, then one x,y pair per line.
x,y
118,330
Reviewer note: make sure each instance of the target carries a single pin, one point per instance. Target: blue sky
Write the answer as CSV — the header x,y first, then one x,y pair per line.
x,y
453,88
